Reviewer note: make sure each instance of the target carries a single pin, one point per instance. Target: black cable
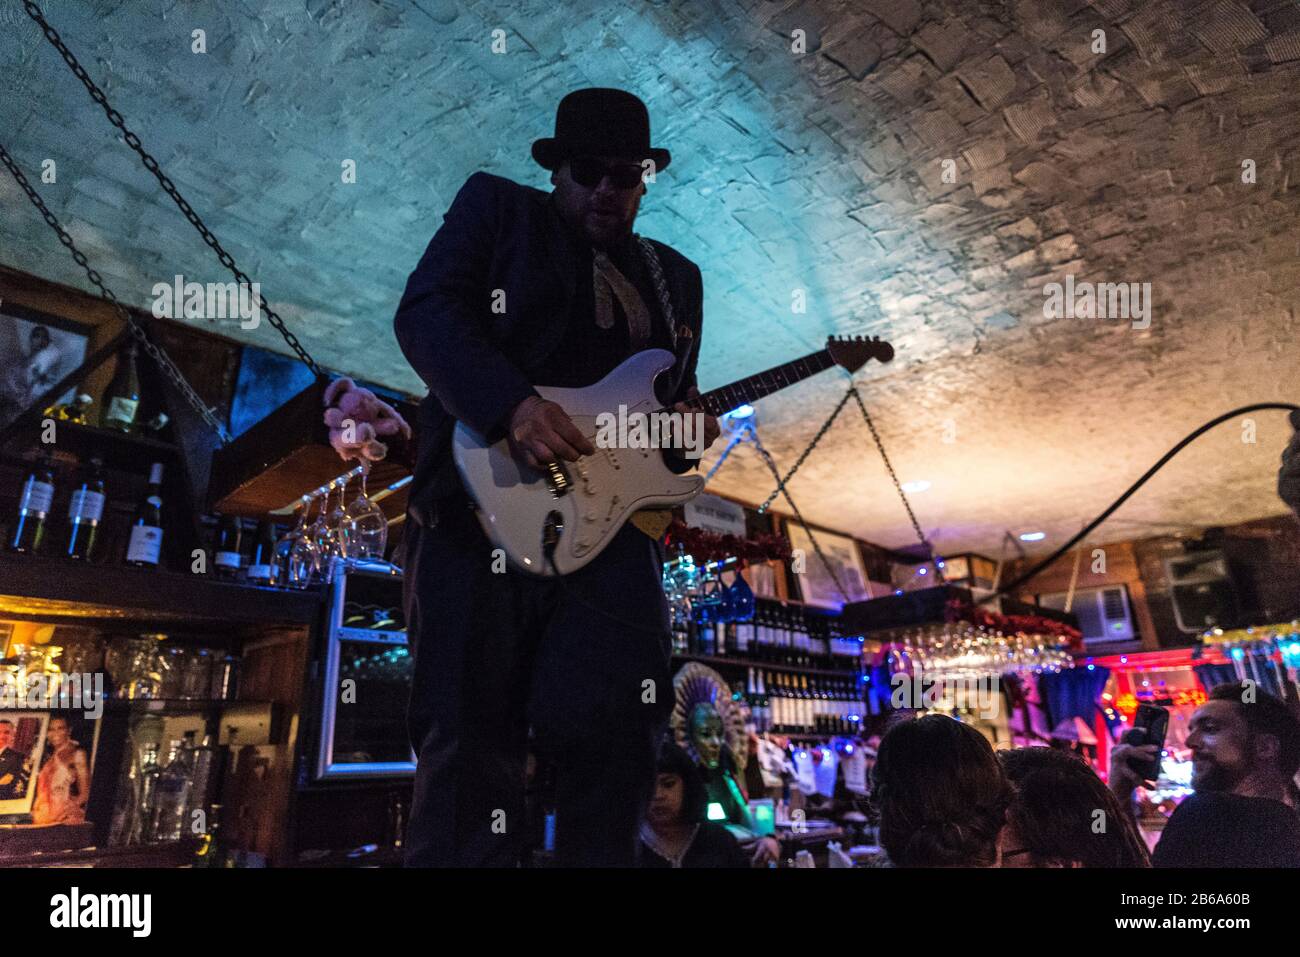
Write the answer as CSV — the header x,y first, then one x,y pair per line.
x,y
617,619
1164,459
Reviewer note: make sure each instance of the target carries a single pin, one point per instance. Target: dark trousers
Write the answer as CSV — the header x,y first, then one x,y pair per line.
x,y
499,651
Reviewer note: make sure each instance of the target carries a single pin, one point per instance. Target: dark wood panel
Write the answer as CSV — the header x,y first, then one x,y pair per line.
x,y
55,590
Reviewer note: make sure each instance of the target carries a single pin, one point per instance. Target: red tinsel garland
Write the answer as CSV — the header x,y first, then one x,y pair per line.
x,y
705,546
1030,624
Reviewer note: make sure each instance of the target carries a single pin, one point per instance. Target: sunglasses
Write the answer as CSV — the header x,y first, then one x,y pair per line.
x,y
588,171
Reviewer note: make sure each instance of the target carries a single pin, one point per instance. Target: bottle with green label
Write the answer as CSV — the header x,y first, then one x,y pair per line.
x,y
145,546
29,531
122,400
86,511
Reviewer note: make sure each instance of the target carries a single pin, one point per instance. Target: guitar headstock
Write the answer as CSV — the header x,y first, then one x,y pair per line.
x,y
853,352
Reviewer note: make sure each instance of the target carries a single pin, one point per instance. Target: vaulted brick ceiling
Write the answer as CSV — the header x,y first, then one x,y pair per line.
x,y
822,171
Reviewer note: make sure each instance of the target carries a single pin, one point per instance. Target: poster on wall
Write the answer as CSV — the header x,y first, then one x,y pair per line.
x,y
36,351
22,739
63,779
816,583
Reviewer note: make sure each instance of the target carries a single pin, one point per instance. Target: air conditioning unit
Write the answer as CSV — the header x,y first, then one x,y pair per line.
x,y
1104,613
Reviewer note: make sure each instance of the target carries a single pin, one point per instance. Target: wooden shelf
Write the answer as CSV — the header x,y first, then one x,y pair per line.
x,y
53,589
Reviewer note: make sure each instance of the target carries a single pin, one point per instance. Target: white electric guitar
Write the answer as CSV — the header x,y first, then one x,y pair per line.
x,y
558,520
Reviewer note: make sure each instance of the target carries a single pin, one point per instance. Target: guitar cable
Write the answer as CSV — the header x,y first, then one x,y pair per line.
x,y
550,540
1164,459
549,549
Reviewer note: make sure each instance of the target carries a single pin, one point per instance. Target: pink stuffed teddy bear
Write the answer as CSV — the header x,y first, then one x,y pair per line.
x,y
358,420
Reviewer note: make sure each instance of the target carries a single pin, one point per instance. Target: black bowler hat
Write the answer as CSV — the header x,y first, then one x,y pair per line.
x,y
599,122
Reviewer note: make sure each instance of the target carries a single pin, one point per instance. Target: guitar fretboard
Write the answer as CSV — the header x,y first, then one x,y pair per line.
x,y
754,387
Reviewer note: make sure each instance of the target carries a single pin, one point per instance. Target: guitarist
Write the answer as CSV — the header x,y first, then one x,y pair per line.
x,y
520,288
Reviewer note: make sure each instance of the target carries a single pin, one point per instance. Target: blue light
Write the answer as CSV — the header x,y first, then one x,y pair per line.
x,y
848,749
1293,648
1092,667
922,570
741,412
1238,654
1032,536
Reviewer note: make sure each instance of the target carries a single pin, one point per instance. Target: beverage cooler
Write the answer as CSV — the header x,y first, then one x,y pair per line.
x,y
363,679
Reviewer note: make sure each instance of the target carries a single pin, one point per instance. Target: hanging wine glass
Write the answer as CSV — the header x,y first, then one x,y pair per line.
x,y
366,526
284,547
302,556
319,532
742,597
335,520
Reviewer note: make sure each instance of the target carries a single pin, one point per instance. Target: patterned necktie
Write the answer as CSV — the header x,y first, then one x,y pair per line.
x,y
608,283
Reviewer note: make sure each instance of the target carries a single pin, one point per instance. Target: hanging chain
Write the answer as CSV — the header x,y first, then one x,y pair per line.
x,y
920,535
767,459
781,482
151,164
157,353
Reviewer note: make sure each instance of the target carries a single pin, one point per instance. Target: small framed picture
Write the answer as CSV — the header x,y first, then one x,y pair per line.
x,y
22,742
816,584
63,777
36,351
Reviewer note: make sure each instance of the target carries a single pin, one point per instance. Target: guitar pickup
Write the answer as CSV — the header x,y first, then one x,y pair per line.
x,y
557,479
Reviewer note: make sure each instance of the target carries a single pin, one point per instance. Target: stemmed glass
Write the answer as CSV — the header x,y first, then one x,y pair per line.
x,y
334,522
305,558
290,570
364,526
320,535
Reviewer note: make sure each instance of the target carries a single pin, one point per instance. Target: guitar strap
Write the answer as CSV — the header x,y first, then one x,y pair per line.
x,y
655,521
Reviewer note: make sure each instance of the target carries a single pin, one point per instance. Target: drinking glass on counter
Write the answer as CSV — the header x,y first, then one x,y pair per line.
x,y
136,668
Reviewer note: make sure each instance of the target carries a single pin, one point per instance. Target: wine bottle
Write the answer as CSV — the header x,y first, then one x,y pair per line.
x,y
261,563
145,547
227,558
122,399
85,510
33,506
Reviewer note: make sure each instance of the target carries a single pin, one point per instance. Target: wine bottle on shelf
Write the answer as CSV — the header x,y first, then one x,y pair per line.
x,y
122,399
744,638
144,550
261,562
226,558
172,794
85,511
29,531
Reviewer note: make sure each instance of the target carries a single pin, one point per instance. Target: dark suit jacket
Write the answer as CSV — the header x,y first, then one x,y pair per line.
x,y
11,763
478,364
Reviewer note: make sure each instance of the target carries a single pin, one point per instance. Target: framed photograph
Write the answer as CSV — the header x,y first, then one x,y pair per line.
x,y
36,351
63,778
815,583
22,741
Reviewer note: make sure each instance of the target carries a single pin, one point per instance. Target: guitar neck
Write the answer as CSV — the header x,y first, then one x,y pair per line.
x,y
752,388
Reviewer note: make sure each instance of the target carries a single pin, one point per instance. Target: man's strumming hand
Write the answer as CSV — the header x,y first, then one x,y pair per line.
x,y
540,432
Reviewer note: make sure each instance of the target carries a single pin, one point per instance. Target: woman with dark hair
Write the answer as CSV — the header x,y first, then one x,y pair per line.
x,y
1062,815
675,832
940,793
